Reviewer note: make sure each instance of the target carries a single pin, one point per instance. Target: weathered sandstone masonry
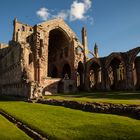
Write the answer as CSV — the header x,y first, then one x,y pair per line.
x,y
49,58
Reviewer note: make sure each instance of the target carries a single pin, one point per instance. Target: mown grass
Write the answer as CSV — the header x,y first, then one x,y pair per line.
x,y
60,123
107,97
9,131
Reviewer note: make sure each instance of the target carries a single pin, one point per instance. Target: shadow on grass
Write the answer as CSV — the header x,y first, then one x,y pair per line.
x,y
106,95
103,132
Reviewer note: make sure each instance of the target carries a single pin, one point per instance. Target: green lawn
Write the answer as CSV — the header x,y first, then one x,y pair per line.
x,y
9,131
61,123
108,97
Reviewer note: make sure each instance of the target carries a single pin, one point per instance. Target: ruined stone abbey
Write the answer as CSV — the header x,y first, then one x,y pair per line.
x,y
48,58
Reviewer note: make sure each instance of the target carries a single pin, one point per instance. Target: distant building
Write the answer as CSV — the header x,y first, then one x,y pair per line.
x,y
48,58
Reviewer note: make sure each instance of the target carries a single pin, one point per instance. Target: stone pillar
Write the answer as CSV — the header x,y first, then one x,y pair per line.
x,y
14,29
96,51
31,92
84,42
86,80
46,52
106,77
86,51
39,72
129,76
103,79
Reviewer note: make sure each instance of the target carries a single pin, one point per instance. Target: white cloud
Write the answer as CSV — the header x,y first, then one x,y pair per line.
x,y
78,11
43,13
62,14
87,4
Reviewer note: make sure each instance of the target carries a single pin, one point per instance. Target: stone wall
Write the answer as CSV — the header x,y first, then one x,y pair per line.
x,y
35,50
11,67
44,29
22,90
12,76
124,74
21,31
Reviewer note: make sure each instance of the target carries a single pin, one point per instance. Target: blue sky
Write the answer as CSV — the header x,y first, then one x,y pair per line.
x,y
113,24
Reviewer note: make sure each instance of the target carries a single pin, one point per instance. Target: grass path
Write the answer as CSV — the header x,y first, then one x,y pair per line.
x,y
9,131
61,123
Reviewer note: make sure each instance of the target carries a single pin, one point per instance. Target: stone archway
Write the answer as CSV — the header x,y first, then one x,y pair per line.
x,y
94,76
136,73
115,67
55,45
133,70
135,64
58,50
115,73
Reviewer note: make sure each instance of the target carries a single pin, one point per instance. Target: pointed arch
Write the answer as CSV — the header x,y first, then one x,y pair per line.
x,y
133,54
58,48
134,61
58,24
94,74
116,71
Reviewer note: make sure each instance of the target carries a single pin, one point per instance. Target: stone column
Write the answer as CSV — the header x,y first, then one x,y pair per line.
x,y
31,92
102,79
129,76
85,43
107,84
46,52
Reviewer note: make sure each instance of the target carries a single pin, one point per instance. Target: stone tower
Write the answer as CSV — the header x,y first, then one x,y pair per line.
x,y
14,29
96,51
84,42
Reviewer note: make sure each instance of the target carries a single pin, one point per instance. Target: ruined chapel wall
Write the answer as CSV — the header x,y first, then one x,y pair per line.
x,y
12,77
27,61
78,53
22,90
45,29
21,31
10,67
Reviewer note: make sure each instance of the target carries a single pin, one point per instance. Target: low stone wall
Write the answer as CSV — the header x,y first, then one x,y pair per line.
x,y
109,108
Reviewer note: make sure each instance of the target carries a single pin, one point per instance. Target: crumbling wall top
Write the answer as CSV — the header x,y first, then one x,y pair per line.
x,y
21,31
